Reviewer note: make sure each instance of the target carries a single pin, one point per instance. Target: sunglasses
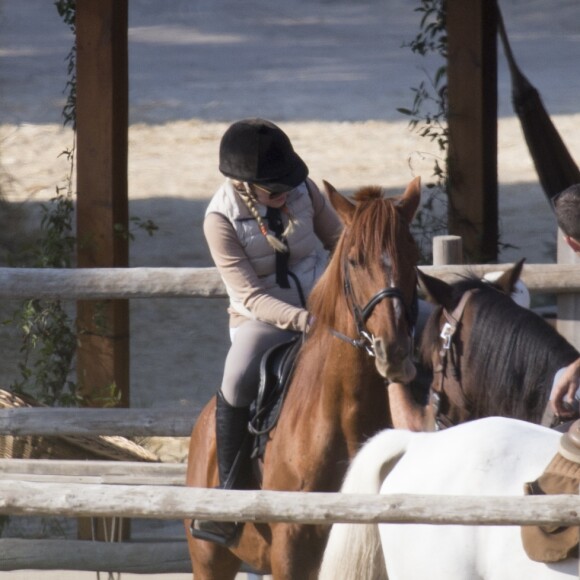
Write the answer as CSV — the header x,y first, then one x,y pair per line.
x,y
272,194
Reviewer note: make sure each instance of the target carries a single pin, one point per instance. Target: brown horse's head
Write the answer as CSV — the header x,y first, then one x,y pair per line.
x,y
445,342
489,355
368,292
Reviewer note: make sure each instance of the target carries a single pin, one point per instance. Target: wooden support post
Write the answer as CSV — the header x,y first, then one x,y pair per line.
x,y
102,205
472,118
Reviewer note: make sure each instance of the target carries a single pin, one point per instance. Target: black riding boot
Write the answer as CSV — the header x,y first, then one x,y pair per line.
x,y
233,446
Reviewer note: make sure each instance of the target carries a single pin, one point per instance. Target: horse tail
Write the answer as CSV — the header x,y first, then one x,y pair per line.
x,y
354,551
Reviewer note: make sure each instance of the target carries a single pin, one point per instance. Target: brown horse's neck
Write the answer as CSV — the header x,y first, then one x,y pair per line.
x,y
342,381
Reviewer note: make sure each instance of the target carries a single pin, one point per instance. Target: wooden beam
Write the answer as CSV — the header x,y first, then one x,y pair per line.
x,y
102,132
165,557
135,558
92,471
472,118
102,200
539,278
111,283
59,422
104,283
178,503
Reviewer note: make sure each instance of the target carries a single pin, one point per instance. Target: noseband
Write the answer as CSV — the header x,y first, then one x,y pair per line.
x,y
365,339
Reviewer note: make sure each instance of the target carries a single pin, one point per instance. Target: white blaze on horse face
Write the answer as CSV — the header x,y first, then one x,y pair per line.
x,y
388,264
397,306
393,360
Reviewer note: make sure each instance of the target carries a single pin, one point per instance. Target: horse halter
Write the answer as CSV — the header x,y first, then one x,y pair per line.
x,y
365,339
448,354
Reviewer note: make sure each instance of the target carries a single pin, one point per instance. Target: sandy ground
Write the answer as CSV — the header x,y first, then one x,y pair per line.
x,y
332,74
178,345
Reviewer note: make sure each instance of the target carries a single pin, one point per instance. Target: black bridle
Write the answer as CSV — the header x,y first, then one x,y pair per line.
x,y
449,362
365,339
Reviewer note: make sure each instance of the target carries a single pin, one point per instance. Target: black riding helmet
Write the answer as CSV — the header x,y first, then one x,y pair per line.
x,y
257,151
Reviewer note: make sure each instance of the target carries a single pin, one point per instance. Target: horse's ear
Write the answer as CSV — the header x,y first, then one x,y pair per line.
x,y
409,201
508,279
343,206
436,291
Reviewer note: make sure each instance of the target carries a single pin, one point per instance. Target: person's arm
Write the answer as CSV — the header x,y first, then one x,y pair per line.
x,y
406,413
564,390
241,278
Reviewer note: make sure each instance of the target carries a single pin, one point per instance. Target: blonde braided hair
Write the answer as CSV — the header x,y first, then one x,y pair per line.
x,y
248,196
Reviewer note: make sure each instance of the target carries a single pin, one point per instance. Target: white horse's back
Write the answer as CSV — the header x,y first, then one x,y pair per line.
x,y
493,456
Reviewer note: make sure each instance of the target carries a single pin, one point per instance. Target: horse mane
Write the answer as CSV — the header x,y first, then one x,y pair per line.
x,y
512,352
376,230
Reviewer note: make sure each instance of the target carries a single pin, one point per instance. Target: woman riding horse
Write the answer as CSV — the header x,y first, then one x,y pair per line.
x,y
263,226
364,308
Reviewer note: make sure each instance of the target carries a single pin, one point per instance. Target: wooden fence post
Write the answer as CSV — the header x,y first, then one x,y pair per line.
x,y
447,250
472,121
102,201
102,207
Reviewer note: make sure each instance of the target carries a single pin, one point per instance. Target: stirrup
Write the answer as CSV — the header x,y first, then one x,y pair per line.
x,y
219,534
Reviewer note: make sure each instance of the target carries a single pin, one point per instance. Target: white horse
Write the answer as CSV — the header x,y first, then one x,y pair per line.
x,y
493,456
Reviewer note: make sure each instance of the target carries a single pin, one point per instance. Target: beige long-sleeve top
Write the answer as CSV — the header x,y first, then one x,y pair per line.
x,y
247,263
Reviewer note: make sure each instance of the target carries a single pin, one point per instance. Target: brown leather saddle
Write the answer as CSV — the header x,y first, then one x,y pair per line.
x,y
562,476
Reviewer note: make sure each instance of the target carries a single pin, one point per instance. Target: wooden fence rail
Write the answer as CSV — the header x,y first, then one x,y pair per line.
x,y
134,422
93,471
171,502
20,497
131,558
139,490
120,283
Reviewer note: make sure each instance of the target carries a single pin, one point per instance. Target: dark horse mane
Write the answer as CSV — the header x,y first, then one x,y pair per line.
x,y
511,353
378,231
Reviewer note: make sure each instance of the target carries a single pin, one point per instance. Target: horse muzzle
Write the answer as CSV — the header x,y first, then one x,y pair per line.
x,y
394,361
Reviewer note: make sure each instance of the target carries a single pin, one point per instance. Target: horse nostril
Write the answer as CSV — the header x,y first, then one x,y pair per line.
x,y
394,352
398,351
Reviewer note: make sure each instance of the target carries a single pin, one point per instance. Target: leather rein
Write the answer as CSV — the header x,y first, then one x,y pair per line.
x,y
448,359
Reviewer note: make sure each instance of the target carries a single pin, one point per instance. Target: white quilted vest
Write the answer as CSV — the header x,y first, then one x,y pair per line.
x,y
307,256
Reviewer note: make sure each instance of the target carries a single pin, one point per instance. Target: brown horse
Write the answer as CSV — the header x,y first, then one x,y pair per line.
x,y
364,307
489,355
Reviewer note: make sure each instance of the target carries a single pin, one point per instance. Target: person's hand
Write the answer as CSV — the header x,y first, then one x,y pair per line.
x,y
564,390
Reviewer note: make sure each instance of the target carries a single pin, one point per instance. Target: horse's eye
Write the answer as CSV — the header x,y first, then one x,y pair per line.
x,y
355,262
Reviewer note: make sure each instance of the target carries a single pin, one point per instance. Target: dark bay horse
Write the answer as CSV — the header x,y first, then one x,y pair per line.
x,y
364,307
497,358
